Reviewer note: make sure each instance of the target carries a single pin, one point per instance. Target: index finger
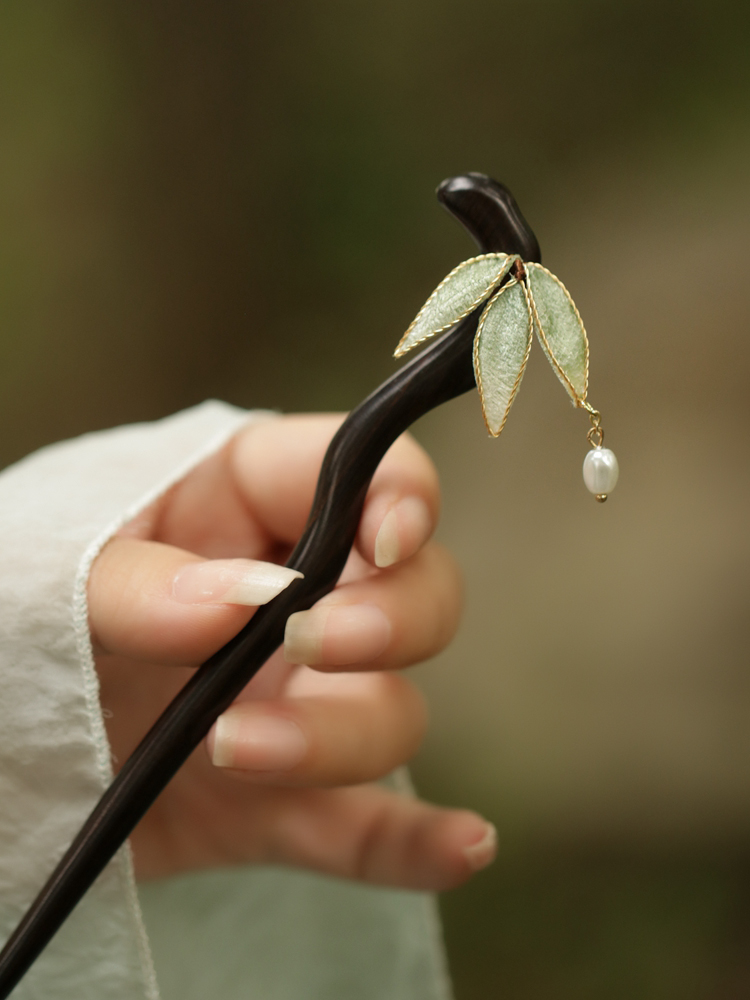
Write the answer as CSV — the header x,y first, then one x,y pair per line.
x,y
276,466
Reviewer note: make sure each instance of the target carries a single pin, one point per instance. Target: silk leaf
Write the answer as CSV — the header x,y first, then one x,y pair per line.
x,y
465,288
560,330
501,350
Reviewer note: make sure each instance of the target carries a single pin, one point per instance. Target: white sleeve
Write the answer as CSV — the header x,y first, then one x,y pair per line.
x,y
250,933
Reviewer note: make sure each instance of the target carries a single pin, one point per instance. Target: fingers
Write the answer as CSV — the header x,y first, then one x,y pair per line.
x,y
384,621
381,837
339,730
276,465
402,506
205,513
269,472
364,832
157,603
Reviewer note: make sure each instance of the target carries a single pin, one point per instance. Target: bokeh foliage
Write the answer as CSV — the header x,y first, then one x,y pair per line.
x,y
221,199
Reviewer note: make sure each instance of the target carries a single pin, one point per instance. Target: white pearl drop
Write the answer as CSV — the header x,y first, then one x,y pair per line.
x,y
600,471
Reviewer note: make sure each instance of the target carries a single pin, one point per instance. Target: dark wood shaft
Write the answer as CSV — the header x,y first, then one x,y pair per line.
x,y
438,373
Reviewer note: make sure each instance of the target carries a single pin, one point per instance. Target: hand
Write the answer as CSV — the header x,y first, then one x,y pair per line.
x,y
285,774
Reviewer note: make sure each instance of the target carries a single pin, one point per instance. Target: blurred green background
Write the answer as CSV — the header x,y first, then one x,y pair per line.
x,y
236,200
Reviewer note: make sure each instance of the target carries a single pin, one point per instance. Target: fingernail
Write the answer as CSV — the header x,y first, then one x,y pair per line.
x,y
257,743
404,528
231,581
482,853
337,635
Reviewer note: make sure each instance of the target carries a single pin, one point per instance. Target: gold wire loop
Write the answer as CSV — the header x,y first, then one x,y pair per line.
x,y
596,435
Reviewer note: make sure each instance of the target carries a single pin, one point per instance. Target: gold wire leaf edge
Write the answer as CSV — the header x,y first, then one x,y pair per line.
x,y
477,373
542,337
510,260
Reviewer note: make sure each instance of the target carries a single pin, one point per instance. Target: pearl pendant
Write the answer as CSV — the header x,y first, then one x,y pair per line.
x,y
600,472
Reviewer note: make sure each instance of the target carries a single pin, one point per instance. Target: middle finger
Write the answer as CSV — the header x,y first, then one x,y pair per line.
x,y
387,620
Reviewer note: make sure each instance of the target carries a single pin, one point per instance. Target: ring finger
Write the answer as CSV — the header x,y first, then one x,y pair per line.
x,y
329,730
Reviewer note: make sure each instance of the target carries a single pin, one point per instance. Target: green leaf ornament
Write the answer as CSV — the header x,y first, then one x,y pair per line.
x,y
501,350
457,295
532,299
560,330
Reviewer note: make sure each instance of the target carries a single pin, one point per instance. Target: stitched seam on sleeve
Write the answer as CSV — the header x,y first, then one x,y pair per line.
x,y
124,857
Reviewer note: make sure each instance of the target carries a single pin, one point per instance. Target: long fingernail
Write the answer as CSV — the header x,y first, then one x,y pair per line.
x,y
482,853
257,743
404,528
231,581
337,634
